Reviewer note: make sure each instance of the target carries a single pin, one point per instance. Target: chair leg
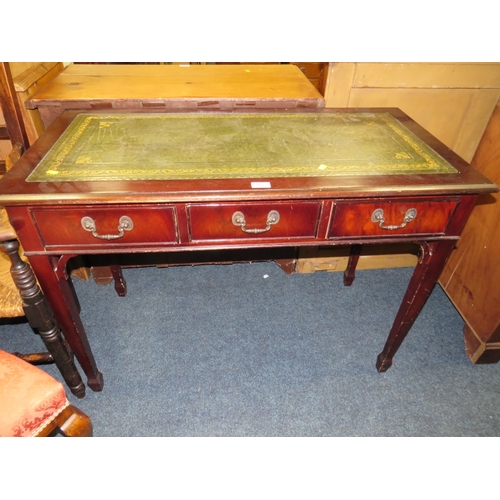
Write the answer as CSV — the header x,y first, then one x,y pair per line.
x,y
41,319
36,358
72,422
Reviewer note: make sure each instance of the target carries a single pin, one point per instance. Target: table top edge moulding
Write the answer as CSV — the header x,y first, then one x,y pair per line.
x,y
434,168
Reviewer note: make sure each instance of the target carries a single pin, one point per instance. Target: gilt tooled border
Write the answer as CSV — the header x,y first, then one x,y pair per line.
x,y
430,165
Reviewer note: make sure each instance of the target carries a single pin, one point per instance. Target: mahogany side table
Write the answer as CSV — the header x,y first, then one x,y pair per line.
x,y
142,182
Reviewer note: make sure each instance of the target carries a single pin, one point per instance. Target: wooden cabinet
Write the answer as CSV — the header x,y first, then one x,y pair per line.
x,y
471,277
453,101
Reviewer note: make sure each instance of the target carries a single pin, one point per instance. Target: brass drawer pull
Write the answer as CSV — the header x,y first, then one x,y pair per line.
x,y
125,224
239,220
378,217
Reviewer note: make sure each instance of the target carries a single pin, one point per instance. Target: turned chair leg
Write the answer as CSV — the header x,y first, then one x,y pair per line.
x,y
71,422
41,319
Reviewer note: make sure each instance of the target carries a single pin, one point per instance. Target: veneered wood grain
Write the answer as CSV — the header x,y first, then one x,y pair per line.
x,y
354,219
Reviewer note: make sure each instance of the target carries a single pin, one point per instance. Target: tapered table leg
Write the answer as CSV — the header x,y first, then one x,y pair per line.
x,y
431,263
350,271
119,280
59,294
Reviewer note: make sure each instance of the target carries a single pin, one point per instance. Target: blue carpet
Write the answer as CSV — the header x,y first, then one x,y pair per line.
x,y
247,350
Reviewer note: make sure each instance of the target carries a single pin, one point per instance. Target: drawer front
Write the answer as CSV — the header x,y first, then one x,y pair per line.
x,y
391,218
243,221
107,226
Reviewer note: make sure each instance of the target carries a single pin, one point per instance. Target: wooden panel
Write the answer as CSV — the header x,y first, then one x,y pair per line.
x,y
457,117
169,81
471,277
427,75
454,101
5,148
18,67
339,84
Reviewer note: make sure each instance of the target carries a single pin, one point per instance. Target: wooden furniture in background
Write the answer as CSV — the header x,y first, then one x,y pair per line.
x,y
12,130
314,71
23,79
27,80
453,101
421,193
471,277
233,86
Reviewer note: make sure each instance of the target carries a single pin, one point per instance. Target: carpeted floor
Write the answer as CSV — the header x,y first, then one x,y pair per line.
x,y
247,350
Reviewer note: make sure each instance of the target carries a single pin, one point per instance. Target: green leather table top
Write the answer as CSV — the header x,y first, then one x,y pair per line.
x,y
98,147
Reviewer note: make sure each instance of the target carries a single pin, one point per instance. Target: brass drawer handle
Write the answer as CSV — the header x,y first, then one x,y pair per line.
x,y
239,220
125,224
378,217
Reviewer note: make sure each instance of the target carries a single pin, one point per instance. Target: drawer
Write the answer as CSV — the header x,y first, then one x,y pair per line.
x,y
110,226
391,218
254,221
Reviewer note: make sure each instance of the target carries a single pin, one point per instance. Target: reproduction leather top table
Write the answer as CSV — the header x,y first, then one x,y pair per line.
x,y
140,182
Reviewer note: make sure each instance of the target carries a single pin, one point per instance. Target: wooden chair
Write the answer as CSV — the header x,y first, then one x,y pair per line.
x,y
34,404
20,294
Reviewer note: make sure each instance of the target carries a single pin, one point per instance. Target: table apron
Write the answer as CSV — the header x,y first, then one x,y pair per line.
x,y
131,228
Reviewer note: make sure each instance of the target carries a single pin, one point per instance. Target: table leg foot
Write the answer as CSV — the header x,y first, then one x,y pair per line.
x,y
96,383
383,363
78,391
120,283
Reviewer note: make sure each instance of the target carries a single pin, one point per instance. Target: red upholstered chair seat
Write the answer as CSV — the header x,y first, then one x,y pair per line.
x,y
30,399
